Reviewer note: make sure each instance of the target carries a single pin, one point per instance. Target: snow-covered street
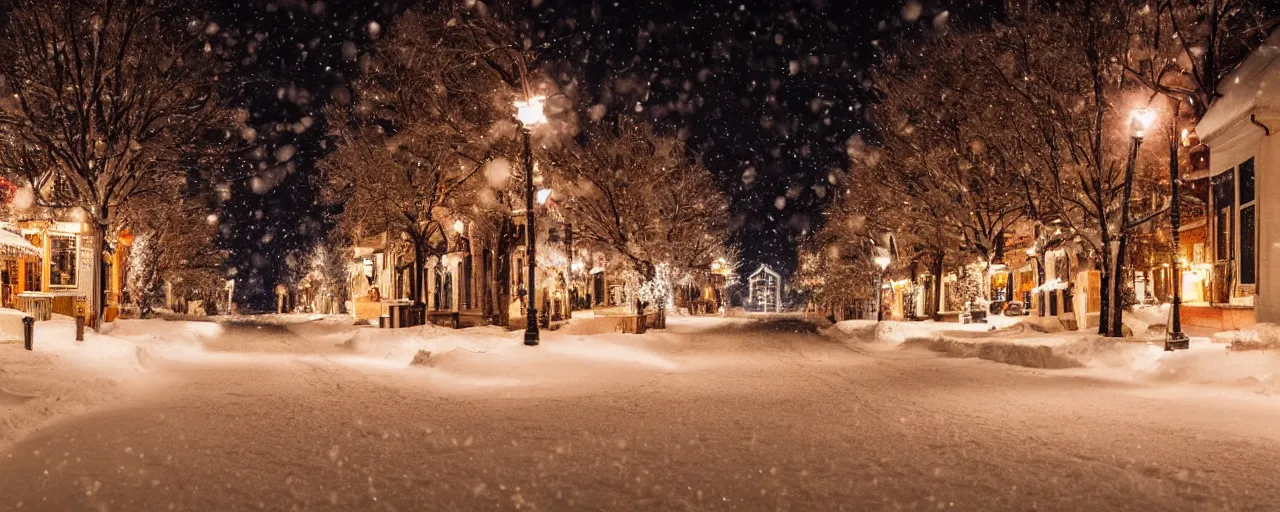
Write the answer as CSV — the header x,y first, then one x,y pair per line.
x,y
711,414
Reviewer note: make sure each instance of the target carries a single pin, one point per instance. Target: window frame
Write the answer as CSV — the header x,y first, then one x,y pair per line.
x,y
1240,206
75,260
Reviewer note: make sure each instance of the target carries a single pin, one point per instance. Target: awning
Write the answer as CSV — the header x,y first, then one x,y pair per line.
x,y
13,245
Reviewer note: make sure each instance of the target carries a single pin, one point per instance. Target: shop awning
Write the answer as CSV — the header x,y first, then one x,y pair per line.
x,y
13,245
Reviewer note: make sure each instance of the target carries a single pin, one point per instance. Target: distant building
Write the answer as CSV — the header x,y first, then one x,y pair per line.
x,y
764,290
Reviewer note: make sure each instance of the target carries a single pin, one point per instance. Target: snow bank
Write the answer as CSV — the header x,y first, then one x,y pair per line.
x,y
483,350
1147,320
404,344
1130,359
898,332
1021,354
61,376
1265,336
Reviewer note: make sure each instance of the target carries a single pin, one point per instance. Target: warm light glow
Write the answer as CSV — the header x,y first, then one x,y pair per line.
x,y
882,262
459,226
577,266
530,113
1140,120
543,195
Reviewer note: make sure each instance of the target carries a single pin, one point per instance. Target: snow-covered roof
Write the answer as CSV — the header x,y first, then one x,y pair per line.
x,y
1253,88
767,270
14,245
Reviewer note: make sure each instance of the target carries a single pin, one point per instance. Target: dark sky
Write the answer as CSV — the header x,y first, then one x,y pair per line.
x,y
767,92
290,58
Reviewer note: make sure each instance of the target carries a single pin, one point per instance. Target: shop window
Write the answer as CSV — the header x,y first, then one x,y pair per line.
x,y
464,270
1248,245
1224,193
1246,182
1248,225
1222,234
32,276
62,260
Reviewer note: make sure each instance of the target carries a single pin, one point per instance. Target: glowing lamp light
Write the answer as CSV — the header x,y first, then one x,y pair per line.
x,y
125,237
459,226
530,113
1140,120
882,262
543,195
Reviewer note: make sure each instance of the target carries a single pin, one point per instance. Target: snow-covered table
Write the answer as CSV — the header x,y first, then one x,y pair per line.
x,y
11,324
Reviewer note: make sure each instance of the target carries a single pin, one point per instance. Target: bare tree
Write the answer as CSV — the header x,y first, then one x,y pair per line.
x,y
329,268
639,195
1068,101
420,131
101,94
956,192
175,243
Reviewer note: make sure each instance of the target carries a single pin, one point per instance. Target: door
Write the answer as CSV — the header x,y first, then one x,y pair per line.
x,y
1223,204
597,289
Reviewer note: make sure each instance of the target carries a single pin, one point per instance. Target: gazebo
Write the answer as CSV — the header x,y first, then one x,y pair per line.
x,y
765,290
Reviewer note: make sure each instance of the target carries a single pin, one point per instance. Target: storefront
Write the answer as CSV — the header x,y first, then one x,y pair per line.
x,y
1241,248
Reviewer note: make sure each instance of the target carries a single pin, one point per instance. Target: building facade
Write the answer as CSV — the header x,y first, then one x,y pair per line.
x,y
1230,257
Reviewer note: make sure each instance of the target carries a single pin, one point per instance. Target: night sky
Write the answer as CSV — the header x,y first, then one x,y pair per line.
x,y
766,92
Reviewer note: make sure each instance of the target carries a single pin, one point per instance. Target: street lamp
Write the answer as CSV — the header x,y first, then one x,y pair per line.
x,y
1177,339
529,114
1140,120
881,261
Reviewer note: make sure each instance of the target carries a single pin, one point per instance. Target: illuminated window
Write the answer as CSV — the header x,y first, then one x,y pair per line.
x,y
62,260
1248,225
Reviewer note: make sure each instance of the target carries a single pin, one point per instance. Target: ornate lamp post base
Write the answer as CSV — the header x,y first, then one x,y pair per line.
x,y
531,329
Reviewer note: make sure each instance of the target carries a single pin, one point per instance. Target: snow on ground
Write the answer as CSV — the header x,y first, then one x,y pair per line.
x,y
743,415
65,377
61,376
1142,357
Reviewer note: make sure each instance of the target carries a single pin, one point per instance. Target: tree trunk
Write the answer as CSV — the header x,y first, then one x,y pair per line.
x,y
416,276
1117,282
935,302
1104,290
501,262
1117,288
99,289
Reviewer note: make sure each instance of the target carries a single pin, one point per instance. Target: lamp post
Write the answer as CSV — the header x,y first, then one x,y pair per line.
x,y
529,114
881,261
1139,121
1177,340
